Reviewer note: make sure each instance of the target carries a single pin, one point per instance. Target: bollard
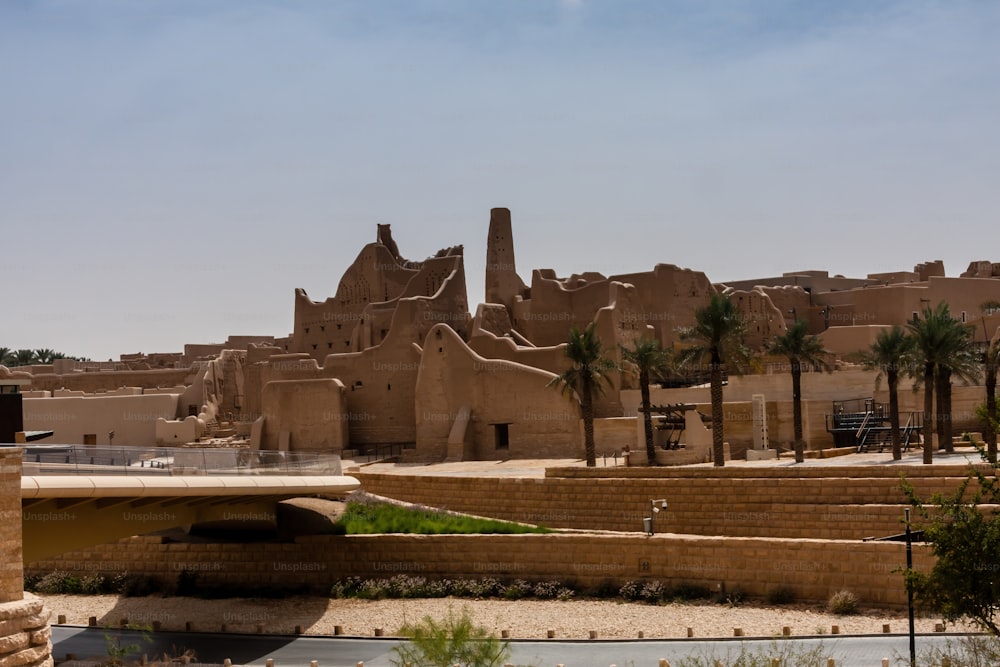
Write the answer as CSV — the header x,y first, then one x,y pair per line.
x,y
187,626
269,662
227,663
690,632
642,635
886,629
786,630
945,661
885,662
314,663
298,631
378,632
361,664
775,662
830,662
550,634
61,620
593,634
664,662
156,626
92,621
260,628
504,634
222,628
939,627
737,632
834,629
338,629
144,661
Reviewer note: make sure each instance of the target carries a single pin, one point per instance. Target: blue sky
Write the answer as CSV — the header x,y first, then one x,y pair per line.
x,y
170,171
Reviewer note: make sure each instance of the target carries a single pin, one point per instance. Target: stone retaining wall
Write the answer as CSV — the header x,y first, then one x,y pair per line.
x,y
813,569
825,503
25,635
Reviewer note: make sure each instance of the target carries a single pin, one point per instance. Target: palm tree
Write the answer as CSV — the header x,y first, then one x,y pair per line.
x,y
958,361
801,349
890,354
649,358
991,362
716,340
24,357
6,356
941,345
587,375
46,356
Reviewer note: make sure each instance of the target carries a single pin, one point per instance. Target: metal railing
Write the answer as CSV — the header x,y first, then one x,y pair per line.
x,y
88,460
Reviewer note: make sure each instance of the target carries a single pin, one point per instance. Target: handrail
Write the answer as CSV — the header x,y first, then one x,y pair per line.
x,y
89,460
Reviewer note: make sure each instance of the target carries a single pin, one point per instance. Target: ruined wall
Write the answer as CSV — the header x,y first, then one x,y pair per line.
x,y
305,416
327,327
379,386
132,418
111,380
454,382
762,319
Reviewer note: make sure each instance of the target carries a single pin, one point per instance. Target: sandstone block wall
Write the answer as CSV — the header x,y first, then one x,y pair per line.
x,y
827,503
25,635
11,574
814,569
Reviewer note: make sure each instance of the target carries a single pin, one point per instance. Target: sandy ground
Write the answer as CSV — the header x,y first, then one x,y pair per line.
x,y
522,618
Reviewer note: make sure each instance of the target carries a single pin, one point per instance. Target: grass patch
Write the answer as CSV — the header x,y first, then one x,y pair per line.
x,y
365,517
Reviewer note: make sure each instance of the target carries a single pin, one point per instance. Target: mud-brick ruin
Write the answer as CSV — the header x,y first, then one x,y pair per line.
x,y
396,362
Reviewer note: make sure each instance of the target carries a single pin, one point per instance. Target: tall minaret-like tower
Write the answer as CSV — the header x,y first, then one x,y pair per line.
x,y
502,281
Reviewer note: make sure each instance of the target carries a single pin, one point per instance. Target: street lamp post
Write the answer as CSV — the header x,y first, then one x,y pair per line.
x,y
653,511
909,587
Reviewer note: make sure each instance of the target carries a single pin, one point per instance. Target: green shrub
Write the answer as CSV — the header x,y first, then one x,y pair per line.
x,y
780,651
58,582
842,603
454,641
364,516
654,592
93,585
517,589
630,590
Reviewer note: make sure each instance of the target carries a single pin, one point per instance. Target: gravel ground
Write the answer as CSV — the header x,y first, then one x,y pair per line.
x,y
522,618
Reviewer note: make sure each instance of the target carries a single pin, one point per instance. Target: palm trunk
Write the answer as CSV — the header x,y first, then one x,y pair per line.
x,y
942,382
718,447
897,445
928,430
587,407
647,417
797,410
991,406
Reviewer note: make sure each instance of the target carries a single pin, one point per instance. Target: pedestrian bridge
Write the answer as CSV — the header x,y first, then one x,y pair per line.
x,y
73,497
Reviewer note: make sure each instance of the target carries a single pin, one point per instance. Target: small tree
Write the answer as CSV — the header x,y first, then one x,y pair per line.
x,y
454,641
965,538
649,358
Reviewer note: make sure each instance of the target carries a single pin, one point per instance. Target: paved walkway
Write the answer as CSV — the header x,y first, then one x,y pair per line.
x,y
536,467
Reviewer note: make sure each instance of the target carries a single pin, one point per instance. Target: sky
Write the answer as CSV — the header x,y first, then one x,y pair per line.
x,y
171,170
